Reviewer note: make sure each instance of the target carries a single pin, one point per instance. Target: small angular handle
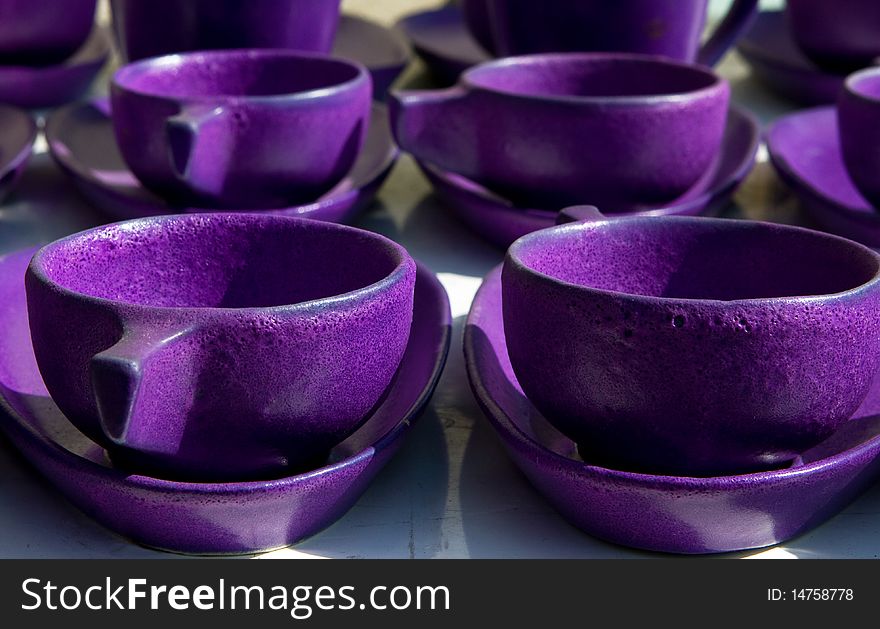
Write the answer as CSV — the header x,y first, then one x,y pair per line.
x,y
184,131
579,214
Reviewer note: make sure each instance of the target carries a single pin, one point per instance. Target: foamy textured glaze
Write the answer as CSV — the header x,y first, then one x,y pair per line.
x,y
665,513
219,346
692,346
294,122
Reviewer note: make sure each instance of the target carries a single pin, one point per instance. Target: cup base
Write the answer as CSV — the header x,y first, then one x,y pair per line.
x,y
599,457
169,469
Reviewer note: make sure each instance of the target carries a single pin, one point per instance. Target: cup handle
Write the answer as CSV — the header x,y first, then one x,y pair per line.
x,y
183,131
423,123
140,366
739,17
579,214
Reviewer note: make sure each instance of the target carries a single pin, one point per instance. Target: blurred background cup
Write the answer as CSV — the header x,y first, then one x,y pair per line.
x,y
839,35
858,112
671,28
148,28
41,32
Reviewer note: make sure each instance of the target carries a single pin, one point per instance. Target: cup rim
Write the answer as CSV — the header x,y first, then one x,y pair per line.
x,y
513,258
122,74
852,81
470,78
404,262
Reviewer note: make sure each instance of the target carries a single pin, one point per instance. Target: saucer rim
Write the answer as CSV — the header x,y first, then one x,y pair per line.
x,y
800,185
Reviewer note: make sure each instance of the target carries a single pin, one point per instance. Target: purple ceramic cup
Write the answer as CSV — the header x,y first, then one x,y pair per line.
x,y
219,346
667,28
150,28
612,130
692,346
838,35
255,129
858,114
42,32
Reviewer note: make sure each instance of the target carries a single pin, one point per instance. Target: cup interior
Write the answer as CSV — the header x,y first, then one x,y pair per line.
x,y
591,76
699,259
235,74
219,261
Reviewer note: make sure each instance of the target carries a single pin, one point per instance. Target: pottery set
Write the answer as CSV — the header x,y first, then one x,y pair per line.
x,y
631,134
805,52
714,359
226,363
827,156
46,59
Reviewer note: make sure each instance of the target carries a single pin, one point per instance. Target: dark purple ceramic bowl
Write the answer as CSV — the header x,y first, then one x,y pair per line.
x,y
219,346
858,113
692,346
254,129
841,36
150,28
555,130
667,28
41,32
677,514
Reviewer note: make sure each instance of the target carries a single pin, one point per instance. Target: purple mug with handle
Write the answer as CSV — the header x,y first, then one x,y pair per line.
x,y
219,346
610,129
254,129
150,28
668,28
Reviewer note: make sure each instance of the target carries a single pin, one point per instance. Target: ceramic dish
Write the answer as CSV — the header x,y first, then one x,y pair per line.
x,y
805,149
384,51
36,87
18,130
221,518
778,63
81,140
500,222
443,41
665,513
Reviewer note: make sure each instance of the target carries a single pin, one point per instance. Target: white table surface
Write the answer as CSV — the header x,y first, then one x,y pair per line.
x,y
450,491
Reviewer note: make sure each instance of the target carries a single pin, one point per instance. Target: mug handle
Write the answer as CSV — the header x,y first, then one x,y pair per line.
x,y
739,17
579,214
421,121
139,366
183,131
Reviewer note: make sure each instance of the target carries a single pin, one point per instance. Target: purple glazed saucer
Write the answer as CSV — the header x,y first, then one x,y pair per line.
x,y
778,63
81,140
18,130
218,518
805,149
35,87
384,51
443,41
665,513
497,220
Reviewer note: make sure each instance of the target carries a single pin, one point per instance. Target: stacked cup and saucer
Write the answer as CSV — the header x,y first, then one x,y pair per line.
x,y
296,50
537,119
